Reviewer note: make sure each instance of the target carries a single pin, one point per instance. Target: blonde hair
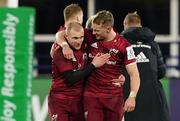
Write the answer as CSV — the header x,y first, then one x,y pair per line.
x,y
71,10
89,22
104,18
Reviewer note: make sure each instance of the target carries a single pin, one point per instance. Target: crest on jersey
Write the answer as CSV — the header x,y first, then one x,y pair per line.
x,y
113,51
54,117
85,114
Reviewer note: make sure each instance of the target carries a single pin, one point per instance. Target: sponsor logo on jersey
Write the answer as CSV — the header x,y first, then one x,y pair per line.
x,y
142,45
111,62
141,58
113,51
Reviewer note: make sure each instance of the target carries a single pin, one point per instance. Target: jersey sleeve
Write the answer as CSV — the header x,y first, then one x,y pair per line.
x,y
71,77
129,56
60,62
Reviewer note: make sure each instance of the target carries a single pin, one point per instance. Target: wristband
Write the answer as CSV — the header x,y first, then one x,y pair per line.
x,y
132,94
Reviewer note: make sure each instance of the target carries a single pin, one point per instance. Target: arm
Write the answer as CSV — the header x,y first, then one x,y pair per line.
x,y
134,86
71,77
134,77
54,48
60,40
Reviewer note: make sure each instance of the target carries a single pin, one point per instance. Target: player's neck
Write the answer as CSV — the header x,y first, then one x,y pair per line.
x,y
110,36
134,25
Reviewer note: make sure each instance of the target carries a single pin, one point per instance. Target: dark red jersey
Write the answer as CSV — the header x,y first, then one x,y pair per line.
x,y
99,83
59,65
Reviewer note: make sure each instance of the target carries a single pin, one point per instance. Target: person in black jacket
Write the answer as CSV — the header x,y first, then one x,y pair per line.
x,y
151,102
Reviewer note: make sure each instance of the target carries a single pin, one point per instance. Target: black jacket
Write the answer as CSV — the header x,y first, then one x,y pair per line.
x,y
151,104
137,35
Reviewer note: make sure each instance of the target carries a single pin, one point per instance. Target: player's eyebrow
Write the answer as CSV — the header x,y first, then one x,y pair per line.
x,y
78,37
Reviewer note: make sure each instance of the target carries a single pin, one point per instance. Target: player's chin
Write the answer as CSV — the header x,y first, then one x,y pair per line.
x,y
97,37
78,47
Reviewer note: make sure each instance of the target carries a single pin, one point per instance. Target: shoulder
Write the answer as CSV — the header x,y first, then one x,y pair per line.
x,y
88,32
61,28
89,38
57,50
122,42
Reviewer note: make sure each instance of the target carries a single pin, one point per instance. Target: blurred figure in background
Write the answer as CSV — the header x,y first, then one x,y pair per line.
x,y
89,22
151,102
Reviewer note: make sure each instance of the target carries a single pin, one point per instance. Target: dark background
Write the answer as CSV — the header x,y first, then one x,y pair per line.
x,y
154,13
49,16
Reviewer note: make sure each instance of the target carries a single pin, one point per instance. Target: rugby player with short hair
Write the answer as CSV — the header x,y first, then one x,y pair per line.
x,y
65,97
104,101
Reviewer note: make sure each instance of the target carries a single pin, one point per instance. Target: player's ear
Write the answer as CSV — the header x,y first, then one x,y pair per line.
x,y
66,36
109,29
125,24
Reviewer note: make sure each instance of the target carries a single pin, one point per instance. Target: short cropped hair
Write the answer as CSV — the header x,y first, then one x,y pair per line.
x,y
133,18
104,18
74,26
71,10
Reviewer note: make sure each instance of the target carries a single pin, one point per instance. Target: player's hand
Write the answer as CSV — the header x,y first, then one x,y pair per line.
x,y
67,52
100,59
130,104
119,82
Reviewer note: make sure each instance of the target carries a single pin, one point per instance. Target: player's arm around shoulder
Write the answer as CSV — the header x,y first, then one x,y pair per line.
x,y
60,39
134,87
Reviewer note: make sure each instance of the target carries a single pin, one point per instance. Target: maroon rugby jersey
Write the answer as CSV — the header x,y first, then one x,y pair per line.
x,y
60,65
99,83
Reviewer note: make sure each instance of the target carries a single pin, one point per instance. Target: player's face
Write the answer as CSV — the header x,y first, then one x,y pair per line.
x,y
99,31
75,38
